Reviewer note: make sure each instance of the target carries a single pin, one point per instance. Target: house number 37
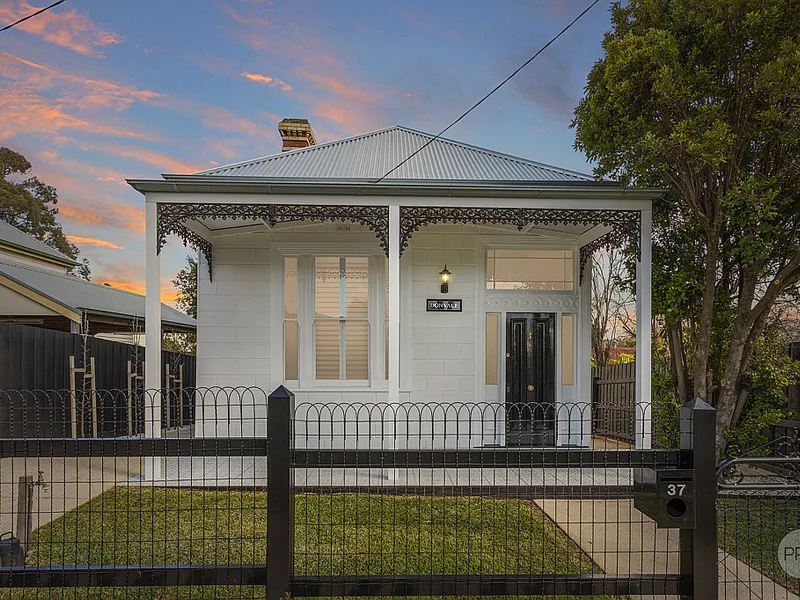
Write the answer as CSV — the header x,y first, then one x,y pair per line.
x,y
675,489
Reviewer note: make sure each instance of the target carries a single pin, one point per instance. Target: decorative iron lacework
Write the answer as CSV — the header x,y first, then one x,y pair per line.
x,y
606,241
625,224
172,218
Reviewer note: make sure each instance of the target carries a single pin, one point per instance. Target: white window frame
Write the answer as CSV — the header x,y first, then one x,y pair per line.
x,y
306,367
343,319
486,242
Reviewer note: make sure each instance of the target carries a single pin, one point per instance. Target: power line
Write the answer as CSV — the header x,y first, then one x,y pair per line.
x,y
30,16
481,101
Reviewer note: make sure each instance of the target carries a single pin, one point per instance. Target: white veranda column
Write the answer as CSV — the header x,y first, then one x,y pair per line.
x,y
152,329
394,304
644,295
583,370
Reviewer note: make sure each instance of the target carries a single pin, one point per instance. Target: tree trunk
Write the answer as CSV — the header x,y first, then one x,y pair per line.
x,y
678,362
702,350
732,398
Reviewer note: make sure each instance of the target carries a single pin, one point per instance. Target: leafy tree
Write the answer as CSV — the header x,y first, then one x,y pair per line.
x,y
186,284
703,99
29,204
771,372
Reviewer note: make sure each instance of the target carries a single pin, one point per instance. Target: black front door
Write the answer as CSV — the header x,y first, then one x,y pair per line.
x,y
530,379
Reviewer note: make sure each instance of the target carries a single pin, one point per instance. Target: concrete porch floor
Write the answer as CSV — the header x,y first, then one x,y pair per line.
x,y
251,472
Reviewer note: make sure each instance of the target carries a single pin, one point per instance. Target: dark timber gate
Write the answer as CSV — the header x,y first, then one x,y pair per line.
x,y
321,494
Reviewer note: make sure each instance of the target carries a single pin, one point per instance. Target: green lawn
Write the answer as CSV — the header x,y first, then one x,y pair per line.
x,y
334,534
751,529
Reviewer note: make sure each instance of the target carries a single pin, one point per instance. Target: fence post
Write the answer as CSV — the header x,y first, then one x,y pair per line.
x,y
280,505
698,546
25,511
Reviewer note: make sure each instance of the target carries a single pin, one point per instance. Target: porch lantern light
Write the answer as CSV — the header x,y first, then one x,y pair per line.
x,y
445,276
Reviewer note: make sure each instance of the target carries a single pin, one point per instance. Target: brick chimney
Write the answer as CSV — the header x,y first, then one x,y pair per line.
x,y
296,133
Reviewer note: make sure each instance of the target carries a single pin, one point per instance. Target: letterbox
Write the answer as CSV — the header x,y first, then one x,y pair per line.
x,y
666,496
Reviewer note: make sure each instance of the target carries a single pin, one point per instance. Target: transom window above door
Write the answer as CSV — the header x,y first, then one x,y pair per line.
x,y
530,269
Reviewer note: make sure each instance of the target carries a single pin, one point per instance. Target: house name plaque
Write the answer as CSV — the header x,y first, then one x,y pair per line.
x,y
444,305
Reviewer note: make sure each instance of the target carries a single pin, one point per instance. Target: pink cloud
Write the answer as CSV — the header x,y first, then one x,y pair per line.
x,y
87,93
293,41
75,166
110,179
90,241
131,280
26,112
63,27
96,212
339,87
152,158
84,202
267,80
73,90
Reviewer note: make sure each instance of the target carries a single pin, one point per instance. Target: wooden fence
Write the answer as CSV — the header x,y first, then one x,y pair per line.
x,y
614,401
788,428
46,370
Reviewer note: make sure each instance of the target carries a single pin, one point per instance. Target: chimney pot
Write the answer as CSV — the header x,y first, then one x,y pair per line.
x,y
296,133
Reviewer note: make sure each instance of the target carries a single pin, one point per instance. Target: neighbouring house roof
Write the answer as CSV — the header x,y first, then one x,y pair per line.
x,y
17,241
78,295
370,155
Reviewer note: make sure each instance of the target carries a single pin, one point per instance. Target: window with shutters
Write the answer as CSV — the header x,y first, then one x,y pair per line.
x,y
336,318
341,317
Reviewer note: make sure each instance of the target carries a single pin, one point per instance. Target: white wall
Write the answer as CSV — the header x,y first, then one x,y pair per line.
x,y
233,338
443,343
443,366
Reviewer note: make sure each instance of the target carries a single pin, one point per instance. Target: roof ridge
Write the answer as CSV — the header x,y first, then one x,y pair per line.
x,y
294,152
30,237
70,278
490,152
116,303
390,145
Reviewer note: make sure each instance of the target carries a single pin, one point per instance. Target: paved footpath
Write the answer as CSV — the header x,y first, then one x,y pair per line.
x,y
622,540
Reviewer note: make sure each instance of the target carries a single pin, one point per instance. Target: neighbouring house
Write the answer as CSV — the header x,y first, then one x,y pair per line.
x,y
37,288
351,275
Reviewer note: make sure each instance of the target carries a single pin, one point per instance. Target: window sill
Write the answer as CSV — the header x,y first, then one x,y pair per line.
x,y
348,389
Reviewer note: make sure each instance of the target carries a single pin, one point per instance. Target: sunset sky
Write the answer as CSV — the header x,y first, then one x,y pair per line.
x,y
95,91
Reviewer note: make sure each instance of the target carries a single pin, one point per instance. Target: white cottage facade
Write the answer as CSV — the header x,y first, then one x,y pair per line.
x,y
318,273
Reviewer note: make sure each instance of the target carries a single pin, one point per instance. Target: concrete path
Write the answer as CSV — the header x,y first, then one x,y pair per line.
x,y
69,483
622,540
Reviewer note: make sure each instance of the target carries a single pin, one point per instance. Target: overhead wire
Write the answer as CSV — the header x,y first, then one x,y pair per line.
x,y
482,100
30,16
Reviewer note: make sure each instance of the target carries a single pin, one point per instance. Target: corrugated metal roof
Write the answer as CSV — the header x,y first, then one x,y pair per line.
x,y
370,155
79,295
13,237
